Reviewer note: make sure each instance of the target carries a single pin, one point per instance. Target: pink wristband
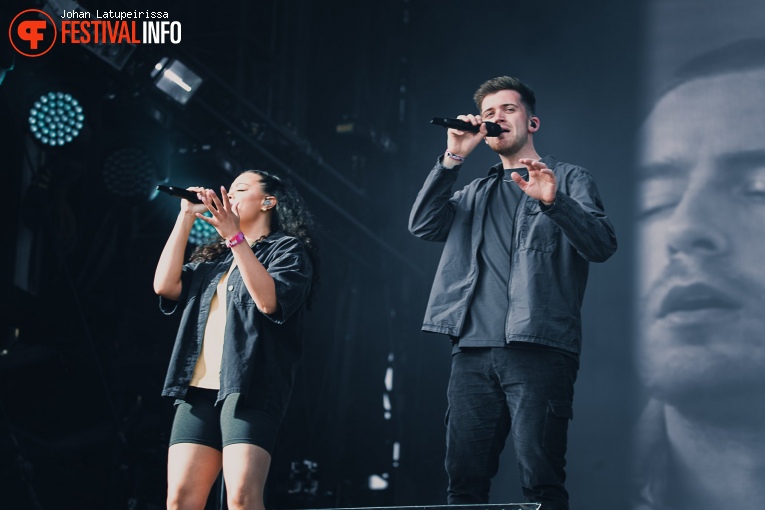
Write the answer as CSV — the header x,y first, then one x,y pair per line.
x,y
235,240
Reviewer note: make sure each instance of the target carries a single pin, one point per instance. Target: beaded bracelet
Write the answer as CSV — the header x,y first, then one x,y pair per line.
x,y
455,156
235,240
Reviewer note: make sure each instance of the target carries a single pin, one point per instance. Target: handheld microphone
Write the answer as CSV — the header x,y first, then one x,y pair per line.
x,y
493,128
175,191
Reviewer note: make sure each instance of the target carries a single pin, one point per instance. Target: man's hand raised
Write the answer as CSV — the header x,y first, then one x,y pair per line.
x,y
461,143
541,185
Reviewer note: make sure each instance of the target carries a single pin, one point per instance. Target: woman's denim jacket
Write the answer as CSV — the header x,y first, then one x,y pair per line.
x,y
259,351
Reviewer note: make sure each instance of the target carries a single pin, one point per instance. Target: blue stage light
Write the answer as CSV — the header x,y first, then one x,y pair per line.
x,y
202,232
56,119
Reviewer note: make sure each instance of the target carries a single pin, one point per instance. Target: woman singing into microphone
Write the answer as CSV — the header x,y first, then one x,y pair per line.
x,y
242,299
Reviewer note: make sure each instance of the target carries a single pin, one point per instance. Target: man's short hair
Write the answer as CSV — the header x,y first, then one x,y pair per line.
x,y
500,83
739,56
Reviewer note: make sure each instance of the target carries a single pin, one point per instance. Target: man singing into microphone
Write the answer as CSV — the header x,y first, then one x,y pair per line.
x,y
508,292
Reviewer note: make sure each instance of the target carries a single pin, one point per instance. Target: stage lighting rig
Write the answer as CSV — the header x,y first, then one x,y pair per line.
x,y
175,79
56,119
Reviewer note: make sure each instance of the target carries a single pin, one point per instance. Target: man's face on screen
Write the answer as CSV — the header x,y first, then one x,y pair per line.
x,y
701,240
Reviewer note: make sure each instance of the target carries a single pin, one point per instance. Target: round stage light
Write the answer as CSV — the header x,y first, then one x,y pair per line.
x,y
202,232
56,119
130,172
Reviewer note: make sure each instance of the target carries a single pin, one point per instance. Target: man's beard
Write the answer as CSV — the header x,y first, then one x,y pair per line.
x,y
513,148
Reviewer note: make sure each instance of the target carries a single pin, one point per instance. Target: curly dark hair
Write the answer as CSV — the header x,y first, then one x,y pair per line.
x,y
290,215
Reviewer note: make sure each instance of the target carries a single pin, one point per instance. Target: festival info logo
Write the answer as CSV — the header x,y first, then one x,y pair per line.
x,y
32,33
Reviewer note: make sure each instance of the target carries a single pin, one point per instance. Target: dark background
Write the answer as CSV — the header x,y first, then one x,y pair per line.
x,y
85,347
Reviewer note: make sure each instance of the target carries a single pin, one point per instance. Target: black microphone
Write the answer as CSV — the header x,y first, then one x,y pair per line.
x,y
175,191
493,128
